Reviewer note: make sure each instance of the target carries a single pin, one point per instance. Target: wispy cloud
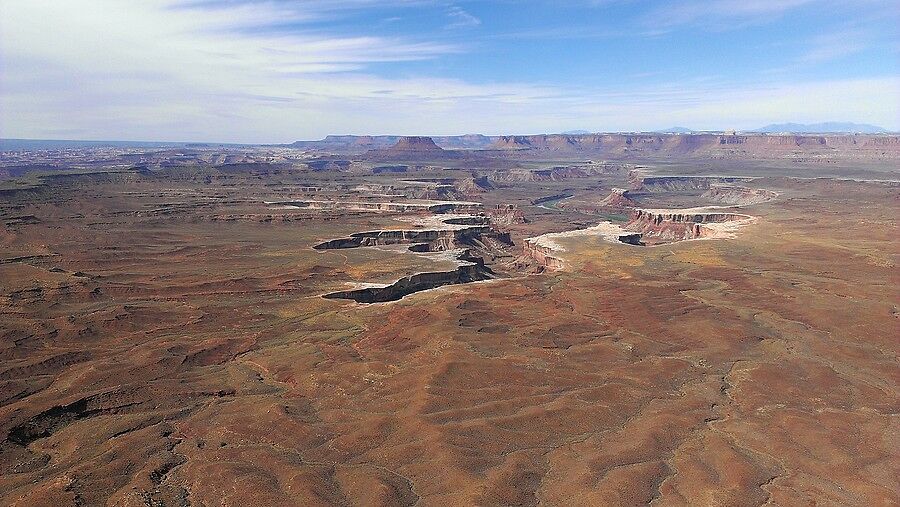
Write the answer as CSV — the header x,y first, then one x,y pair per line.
x,y
459,18
834,45
720,13
853,36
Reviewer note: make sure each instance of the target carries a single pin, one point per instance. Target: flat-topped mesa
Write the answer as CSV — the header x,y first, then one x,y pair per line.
x,y
664,226
655,184
415,143
414,149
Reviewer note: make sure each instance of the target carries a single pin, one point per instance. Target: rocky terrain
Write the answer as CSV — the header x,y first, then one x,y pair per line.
x,y
545,328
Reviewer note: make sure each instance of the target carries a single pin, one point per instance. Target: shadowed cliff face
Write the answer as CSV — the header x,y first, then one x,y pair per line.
x,y
545,256
472,270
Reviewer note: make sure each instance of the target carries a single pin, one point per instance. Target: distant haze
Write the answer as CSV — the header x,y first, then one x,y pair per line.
x,y
677,130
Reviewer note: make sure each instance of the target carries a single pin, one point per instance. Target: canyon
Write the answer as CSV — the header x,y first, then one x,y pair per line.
x,y
470,238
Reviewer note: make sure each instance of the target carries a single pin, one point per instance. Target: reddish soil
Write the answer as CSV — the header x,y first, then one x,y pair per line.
x,y
165,342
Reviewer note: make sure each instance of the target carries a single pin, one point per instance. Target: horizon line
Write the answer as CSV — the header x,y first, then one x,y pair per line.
x,y
586,133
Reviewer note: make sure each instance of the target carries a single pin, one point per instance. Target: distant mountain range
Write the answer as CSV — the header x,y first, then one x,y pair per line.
x,y
821,128
675,130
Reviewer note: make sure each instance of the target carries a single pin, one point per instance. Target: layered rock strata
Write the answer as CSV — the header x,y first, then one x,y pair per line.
x,y
664,226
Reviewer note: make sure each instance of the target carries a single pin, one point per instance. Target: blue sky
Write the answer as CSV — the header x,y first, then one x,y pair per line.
x,y
280,70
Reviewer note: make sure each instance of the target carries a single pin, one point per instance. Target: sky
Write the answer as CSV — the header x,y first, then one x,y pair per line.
x,y
272,71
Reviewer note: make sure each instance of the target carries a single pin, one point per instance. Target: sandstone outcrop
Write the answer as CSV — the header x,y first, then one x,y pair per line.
x,y
665,226
618,198
544,255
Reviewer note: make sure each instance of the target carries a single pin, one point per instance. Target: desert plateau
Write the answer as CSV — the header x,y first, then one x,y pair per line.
x,y
554,328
